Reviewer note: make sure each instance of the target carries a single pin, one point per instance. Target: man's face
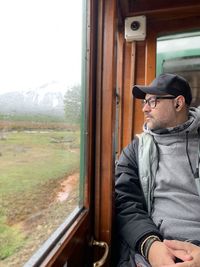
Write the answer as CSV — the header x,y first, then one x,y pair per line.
x,y
160,116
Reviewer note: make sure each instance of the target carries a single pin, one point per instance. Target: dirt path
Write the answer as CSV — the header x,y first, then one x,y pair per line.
x,y
67,186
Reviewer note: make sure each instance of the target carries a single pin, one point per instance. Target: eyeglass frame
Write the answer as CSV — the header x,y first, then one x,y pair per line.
x,y
155,98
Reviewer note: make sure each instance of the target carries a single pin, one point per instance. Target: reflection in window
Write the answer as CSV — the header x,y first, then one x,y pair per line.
x,y
180,54
40,116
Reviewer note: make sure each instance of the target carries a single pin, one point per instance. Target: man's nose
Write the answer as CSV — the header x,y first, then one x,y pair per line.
x,y
146,107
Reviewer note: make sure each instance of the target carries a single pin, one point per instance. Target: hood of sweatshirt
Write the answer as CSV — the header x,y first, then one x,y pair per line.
x,y
190,126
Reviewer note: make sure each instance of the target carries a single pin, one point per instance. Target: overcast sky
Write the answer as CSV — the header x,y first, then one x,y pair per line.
x,y
40,42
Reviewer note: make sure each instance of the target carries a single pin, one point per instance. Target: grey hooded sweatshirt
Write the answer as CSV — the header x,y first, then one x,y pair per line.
x,y
176,205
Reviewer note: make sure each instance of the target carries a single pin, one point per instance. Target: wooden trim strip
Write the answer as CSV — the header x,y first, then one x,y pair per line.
x,y
105,118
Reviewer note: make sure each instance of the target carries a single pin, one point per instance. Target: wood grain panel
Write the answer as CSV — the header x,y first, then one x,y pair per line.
x,y
128,110
138,118
105,110
120,92
164,10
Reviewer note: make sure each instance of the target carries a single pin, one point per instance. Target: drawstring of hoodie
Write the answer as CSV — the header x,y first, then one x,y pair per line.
x,y
196,173
158,152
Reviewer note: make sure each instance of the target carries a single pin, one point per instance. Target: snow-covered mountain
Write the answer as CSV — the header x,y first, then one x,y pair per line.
x,y
47,99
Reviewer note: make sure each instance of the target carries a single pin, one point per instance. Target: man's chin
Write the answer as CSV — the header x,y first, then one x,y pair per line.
x,y
152,127
149,125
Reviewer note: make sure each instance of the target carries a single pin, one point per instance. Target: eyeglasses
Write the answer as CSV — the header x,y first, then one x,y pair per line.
x,y
152,101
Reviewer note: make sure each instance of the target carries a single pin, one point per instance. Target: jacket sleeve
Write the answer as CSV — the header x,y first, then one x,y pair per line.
x,y
133,222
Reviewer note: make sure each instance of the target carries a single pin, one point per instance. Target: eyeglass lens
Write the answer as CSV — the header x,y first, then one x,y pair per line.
x,y
150,101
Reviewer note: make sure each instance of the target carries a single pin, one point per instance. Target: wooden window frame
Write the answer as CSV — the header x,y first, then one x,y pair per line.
x,y
96,218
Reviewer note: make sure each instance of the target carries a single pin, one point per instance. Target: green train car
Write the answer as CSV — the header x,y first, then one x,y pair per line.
x,y
180,53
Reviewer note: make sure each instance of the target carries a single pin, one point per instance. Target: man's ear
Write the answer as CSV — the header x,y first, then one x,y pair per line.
x,y
179,102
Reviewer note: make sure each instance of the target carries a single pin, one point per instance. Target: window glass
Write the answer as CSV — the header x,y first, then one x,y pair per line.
x,y
41,122
180,53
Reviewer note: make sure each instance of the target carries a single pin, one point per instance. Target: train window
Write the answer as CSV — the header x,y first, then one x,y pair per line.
x,y
180,53
42,111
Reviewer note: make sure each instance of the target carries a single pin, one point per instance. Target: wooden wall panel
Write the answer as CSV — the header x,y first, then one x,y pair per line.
x,y
138,118
131,70
150,58
120,92
163,27
126,99
125,80
164,10
105,121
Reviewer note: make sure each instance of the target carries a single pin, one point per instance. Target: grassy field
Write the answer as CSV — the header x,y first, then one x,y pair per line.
x,y
33,164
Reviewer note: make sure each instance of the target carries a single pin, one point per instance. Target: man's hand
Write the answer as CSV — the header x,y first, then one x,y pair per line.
x,y
160,255
185,251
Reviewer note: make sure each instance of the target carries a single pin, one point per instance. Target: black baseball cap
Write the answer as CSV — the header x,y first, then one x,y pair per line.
x,y
166,83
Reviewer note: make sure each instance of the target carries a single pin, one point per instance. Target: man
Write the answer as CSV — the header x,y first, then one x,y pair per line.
x,y
157,176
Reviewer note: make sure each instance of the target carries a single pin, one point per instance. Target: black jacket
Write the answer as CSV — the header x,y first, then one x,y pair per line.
x,y
132,219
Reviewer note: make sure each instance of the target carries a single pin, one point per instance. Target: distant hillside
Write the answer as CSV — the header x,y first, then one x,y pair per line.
x,y
45,100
